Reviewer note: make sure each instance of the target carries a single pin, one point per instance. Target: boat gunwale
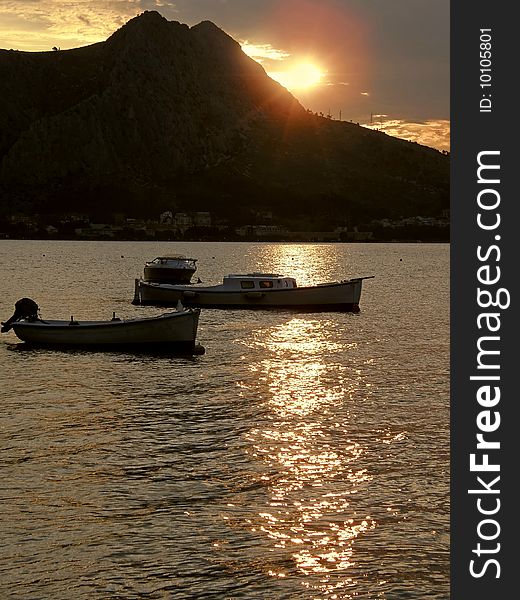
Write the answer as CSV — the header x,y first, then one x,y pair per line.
x,y
217,289
314,307
58,325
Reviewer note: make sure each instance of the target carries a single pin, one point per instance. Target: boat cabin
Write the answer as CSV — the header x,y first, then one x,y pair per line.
x,y
258,282
178,262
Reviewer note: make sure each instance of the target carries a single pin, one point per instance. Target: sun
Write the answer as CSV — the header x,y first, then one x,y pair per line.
x,y
301,75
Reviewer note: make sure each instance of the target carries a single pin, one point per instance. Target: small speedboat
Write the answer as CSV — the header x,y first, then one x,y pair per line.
x,y
174,331
255,290
170,269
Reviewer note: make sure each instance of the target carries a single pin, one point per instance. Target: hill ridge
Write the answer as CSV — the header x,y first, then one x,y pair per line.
x,y
162,116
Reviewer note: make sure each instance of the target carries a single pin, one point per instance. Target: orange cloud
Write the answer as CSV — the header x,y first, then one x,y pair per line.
x,y
37,26
432,133
261,52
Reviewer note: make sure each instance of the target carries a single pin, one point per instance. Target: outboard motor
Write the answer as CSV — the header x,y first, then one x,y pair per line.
x,y
25,308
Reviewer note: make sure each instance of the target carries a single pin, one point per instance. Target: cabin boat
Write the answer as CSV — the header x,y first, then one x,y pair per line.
x,y
174,332
170,269
255,290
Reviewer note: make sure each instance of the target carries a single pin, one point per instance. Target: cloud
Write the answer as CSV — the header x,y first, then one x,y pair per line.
x,y
39,25
261,52
85,20
432,133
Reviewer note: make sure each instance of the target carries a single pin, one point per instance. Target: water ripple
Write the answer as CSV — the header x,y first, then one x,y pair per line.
x,y
303,456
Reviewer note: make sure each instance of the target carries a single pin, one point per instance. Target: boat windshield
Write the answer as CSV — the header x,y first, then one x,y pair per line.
x,y
163,260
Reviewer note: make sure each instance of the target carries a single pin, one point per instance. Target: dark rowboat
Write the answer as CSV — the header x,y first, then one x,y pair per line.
x,y
174,331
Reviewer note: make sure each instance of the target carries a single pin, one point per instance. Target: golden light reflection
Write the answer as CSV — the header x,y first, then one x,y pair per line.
x,y
311,468
294,387
309,264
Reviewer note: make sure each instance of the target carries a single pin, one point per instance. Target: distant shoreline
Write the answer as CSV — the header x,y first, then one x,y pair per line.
x,y
252,241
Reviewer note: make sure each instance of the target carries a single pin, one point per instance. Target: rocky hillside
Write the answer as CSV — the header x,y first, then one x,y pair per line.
x,y
164,116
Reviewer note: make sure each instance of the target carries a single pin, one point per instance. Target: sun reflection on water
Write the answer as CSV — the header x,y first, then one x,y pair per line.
x,y
309,465
308,263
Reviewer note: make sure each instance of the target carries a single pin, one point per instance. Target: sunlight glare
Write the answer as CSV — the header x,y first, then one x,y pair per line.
x,y
301,75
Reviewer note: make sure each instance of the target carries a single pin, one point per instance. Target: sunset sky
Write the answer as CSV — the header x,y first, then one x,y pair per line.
x,y
379,62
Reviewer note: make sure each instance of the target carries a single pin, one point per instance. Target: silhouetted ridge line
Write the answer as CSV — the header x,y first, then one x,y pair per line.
x,y
164,116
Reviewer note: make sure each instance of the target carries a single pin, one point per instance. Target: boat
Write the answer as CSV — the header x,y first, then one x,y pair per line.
x,y
255,290
174,331
170,269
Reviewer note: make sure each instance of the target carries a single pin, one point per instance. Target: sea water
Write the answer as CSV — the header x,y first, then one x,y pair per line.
x,y
303,456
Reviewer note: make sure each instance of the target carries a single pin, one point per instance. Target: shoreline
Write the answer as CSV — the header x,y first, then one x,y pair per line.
x,y
256,240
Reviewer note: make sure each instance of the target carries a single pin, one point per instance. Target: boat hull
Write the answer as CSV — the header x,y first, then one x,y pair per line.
x,y
167,275
343,296
175,331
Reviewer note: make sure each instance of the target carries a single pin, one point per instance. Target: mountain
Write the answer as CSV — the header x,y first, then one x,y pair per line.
x,y
164,116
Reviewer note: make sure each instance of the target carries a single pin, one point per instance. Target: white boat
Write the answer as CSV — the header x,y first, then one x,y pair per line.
x,y
255,290
174,331
170,269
